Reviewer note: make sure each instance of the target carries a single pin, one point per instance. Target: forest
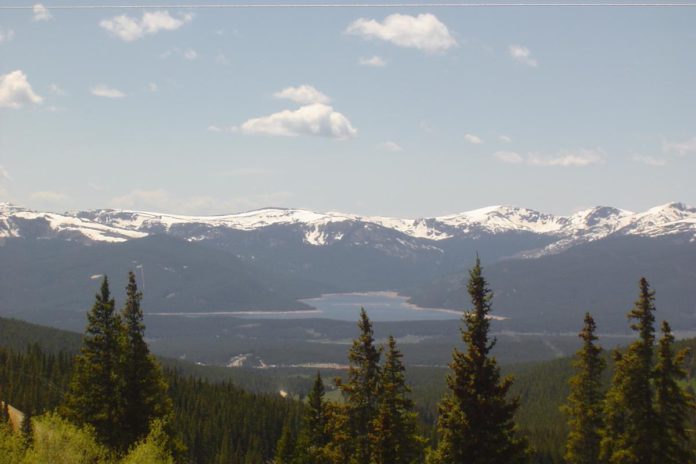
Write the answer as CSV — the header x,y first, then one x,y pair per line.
x,y
107,399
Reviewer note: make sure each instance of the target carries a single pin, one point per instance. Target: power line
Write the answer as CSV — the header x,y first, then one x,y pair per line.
x,y
210,6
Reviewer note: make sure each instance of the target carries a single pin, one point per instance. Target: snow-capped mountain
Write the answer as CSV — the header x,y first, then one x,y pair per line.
x,y
322,229
271,257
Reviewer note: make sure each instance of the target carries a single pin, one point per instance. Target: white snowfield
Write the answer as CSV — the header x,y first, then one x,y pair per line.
x,y
322,229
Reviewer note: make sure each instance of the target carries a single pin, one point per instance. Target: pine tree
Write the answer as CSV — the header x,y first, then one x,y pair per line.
x,y
476,419
673,403
361,390
314,435
630,431
285,449
585,402
145,390
95,395
395,438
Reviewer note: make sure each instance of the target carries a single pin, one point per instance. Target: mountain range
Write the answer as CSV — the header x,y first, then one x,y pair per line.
x,y
269,258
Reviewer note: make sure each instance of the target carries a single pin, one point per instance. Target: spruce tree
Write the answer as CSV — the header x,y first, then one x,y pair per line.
x,y
285,448
361,391
314,435
630,431
145,390
585,401
674,405
476,419
95,395
395,438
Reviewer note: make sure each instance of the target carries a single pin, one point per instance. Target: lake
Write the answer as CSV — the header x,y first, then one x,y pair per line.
x,y
380,306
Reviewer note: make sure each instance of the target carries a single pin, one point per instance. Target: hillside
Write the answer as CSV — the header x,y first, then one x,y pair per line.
x,y
52,281
268,259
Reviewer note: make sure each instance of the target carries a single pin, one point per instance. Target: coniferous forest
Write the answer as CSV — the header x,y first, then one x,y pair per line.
x,y
113,402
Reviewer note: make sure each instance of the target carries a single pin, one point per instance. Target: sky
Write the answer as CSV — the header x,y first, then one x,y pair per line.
x,y
407,112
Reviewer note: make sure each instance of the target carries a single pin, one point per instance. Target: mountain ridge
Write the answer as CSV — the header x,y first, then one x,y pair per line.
x,y
321,229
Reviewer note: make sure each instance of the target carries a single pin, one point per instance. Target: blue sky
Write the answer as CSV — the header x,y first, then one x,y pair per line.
x,y
403,112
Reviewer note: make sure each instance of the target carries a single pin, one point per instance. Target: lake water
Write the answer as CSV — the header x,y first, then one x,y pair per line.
x,y
380,306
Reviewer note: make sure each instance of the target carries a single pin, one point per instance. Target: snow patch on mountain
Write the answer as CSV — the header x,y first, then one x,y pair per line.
x,y
323,229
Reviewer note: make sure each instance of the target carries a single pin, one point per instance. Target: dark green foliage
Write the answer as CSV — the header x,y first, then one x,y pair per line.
x,y
219,422
18,335
144,389
630,419
361,391
314,435
584,404
285,449
476,417
96,388
395,436
674,405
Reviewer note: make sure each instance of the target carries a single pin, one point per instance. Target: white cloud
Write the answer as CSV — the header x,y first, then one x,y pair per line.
x,y
15,91
391,146
523,55
567,158
152,87
41,13
680,148
423,32
650,160
580,157
475,139
509,157
190,54
101,90
48,196
129,29
316,119
375,62
504,139
304,95
6,35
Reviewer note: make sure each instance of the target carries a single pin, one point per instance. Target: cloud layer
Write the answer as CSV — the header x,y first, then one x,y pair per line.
x,y
575,158
423,32
15,91
129,29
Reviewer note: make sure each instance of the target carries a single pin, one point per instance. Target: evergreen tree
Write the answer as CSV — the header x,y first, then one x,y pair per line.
x,y
673,403
395,438
314,435
145,390
629,435
476,420
585,402
361,391
95,395
285,449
